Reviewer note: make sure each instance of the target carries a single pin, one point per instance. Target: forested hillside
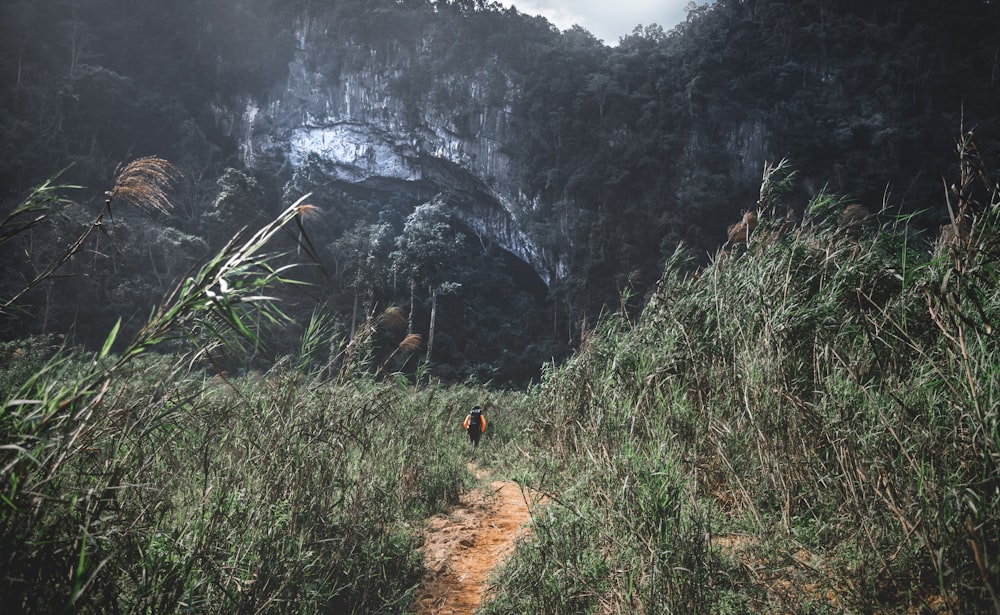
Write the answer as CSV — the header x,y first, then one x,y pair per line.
x,y
727,295
589,163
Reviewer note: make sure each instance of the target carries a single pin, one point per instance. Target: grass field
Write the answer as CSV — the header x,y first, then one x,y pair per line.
x,y
808,424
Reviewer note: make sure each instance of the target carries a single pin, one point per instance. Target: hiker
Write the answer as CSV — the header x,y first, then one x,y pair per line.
x,y
475,425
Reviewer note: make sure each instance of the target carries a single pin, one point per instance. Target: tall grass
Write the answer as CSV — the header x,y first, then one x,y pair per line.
x,y
809,424
137,478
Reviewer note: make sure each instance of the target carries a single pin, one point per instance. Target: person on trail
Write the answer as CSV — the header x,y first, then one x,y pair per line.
x,y
475,425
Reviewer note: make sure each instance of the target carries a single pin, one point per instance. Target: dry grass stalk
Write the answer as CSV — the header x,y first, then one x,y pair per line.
x,y
307,211
144,182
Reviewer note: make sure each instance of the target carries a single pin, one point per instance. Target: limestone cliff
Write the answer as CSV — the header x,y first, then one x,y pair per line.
x,y
367,123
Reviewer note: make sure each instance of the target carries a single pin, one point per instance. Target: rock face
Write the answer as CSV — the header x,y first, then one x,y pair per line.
x,y
362,117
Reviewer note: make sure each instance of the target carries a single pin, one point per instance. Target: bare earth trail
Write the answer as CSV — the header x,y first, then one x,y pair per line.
x,y
463,546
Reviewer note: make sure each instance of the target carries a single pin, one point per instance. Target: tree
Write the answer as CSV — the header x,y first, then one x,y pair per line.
x,y
361,258
426,253
240,201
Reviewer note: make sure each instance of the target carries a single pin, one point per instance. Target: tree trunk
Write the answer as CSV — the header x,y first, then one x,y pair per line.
x,y
413,302
48,307
430,332
354,313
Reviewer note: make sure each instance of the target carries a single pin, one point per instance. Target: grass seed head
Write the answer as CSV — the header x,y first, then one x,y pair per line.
x,y
144,182
394,317
411,342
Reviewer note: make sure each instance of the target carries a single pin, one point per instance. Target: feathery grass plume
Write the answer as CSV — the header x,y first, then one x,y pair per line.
x,y
304,212
358,352
144,182
308,211
411,342
740,232
394,317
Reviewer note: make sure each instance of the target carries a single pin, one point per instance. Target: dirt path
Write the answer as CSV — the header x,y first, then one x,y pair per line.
x,y
462,547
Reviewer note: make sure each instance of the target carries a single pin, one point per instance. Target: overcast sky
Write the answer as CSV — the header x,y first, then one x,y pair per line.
x,y
608,20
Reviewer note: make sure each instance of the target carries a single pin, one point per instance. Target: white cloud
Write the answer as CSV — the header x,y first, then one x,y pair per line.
x,y
608,20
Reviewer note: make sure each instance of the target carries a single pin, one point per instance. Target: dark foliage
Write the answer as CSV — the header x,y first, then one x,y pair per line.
x,y
622,152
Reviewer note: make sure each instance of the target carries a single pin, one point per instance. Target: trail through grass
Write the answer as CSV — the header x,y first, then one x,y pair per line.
x,y
463,545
